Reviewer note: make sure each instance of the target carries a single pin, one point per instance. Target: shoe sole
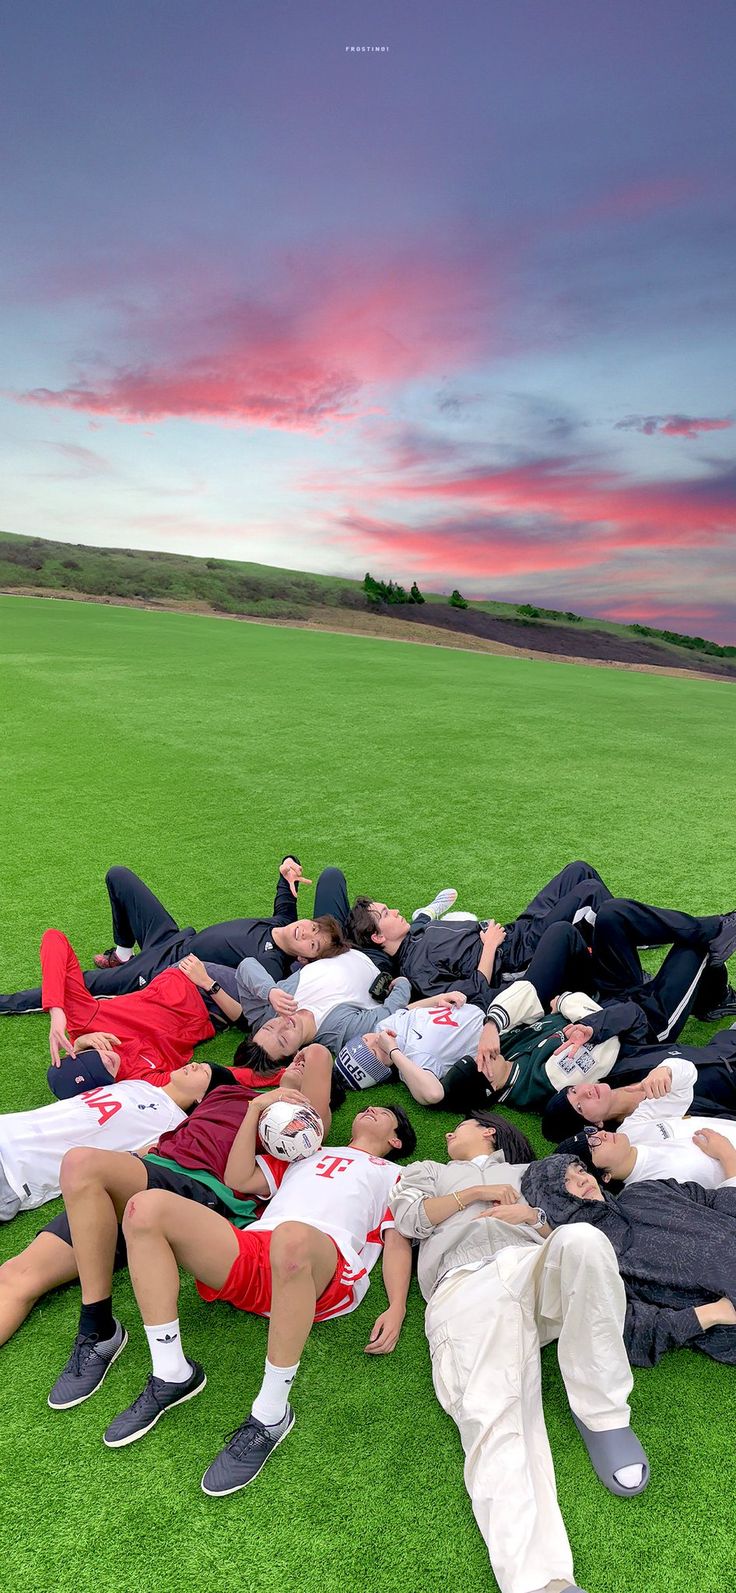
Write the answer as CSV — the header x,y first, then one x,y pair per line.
x,y
222,1493
120,1443
70,1403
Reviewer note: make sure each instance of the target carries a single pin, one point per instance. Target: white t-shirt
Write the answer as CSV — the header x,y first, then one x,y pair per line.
x,y
330,981
436,1037
662,1134
116,1117
343,1192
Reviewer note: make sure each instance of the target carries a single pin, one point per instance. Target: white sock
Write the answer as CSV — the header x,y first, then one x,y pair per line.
x,y
123,953
629,1476
169,1361
270,1403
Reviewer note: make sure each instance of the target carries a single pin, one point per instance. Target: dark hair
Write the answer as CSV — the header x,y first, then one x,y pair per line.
x,y
337,942
514,1145
404,1130
360,924
250,1055
220,1076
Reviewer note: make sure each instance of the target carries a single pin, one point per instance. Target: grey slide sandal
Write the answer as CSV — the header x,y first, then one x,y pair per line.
x,y
610,1451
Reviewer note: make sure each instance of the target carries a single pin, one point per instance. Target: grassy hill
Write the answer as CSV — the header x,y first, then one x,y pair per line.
x,y
259,591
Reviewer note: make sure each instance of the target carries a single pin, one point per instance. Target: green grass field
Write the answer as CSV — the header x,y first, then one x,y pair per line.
x,y
199,752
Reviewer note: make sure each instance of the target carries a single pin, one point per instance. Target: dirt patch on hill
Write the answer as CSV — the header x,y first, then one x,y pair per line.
x,y
563,641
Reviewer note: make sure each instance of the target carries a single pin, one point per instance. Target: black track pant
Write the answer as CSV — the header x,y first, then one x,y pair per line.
x,y
622,926
576,894
140,919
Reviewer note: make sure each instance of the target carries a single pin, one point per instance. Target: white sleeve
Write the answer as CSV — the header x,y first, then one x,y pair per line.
x,y
519,1004
677,1101
576,1006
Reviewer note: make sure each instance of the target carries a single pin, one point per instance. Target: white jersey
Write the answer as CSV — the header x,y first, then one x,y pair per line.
x,y
436,1037
116,1117
331,981
663,1135
344,1193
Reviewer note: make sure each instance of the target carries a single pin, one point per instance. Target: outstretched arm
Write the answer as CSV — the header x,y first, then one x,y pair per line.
x,y
396,1279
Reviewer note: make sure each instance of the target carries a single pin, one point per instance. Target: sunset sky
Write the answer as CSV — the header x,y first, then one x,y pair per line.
x,y
459,308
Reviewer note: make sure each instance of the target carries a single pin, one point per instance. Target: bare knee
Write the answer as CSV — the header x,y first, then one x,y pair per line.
x,y
79,1167
289,1253
146,1212
23,1278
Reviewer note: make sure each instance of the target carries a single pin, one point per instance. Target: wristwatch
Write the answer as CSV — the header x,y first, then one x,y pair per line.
x,y
541,1221
214,987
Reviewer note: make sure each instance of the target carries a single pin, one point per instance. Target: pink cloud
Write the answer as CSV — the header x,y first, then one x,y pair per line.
x,y
673,425
309,352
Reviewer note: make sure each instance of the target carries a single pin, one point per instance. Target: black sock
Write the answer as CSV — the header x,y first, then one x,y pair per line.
x,y
96,1321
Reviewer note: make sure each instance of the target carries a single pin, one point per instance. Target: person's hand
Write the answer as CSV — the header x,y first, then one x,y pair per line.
x,y
196,971
657,1083
719,1146
720,1313
283,1004
291,871
489,1050
268,1098
493,935
58,1038
554,1005
520,1213
102,1042
576,1035
496,1194
381,1041
452,998
385,1332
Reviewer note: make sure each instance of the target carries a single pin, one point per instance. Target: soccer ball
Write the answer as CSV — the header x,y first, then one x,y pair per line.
x,y
290,1132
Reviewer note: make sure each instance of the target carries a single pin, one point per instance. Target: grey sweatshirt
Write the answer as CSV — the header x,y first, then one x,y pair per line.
x,y
461,1239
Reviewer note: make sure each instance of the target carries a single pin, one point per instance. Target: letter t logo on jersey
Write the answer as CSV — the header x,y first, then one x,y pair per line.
x,y
330,1165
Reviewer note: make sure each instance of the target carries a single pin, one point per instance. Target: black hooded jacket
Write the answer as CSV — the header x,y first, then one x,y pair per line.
x,y
676,1249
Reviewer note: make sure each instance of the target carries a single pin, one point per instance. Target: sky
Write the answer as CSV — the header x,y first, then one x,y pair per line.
x,y
445,291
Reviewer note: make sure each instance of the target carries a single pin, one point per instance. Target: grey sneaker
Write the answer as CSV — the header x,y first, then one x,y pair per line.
x,y
440,904
723,944
151,1405
246,1453
86,1368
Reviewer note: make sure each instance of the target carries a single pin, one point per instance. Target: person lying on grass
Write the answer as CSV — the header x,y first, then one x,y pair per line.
x,y
498,1285
307,1259
433,1047
139,918
660,1140
145,1035
676,1250
437,956
115,1117
193,1160
472,958
699,1079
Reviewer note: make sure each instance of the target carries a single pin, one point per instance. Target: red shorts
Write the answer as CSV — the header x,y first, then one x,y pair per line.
x,y
248,1283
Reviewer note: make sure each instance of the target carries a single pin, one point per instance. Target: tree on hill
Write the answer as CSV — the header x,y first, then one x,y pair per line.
x,y
384,591
457,600
415,593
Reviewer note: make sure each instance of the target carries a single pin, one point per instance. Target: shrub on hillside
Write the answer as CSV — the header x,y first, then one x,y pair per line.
x,y
457,600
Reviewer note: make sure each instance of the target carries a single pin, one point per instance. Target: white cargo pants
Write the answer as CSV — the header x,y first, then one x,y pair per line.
x,y
485,1327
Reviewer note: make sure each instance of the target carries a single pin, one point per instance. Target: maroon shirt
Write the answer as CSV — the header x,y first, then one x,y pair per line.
x,y
207,1137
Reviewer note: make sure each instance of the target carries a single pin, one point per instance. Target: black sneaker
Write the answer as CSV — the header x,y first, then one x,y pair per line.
x,y
86,1368
150,1406
723,944
724,1009
246,1453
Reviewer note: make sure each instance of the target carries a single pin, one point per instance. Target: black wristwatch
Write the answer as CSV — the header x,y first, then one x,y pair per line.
x,y
214,989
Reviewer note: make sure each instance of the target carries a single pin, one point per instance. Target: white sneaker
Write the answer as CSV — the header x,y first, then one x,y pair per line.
x,y
437,908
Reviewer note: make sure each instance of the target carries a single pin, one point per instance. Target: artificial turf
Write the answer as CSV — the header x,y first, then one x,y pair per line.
x,y
198,752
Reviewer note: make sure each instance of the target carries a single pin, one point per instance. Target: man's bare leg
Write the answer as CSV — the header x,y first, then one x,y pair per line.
x,y
46,1263
97,1186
